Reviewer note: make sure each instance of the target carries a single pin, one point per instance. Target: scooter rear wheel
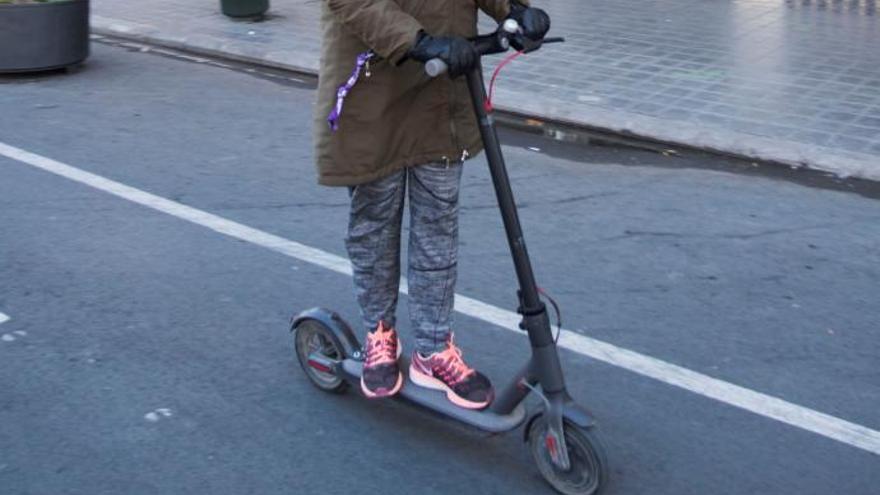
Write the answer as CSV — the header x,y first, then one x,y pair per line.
x,y
312,337
587,473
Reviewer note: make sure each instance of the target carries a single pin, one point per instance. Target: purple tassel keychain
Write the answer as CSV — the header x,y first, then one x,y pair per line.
x,y
362,60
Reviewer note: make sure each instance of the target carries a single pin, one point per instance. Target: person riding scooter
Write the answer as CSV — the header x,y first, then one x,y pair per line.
x,y
401,128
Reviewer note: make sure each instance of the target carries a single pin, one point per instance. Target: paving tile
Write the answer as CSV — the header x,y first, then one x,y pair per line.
x,y
861,132
873,122
812,137
676,114
851,143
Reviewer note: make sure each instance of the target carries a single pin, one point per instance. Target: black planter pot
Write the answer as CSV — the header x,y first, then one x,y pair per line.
x,y
43,36
244,8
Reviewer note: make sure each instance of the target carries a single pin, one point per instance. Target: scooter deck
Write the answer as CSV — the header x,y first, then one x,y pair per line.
x,y
436,400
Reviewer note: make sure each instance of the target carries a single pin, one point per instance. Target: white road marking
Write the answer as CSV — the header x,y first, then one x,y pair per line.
x,y
7,337
156,415
756,402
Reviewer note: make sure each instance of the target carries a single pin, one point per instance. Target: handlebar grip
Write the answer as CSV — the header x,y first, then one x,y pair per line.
x,y
510,26
435,67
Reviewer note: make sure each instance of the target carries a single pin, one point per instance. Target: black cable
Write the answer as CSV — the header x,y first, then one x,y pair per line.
x,y
558,313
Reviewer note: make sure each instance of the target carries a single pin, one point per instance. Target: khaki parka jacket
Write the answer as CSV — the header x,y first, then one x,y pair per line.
x,y
396,116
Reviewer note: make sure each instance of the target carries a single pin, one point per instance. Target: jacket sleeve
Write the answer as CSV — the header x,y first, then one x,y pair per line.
x,y
380,24
498,9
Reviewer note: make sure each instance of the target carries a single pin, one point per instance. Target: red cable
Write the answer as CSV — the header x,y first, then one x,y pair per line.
x,y
504,62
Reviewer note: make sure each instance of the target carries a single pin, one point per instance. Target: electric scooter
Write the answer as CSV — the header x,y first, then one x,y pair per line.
x,y
561,435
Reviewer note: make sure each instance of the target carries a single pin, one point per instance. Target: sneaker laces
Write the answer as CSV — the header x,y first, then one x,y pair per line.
x,y
380,346
454,367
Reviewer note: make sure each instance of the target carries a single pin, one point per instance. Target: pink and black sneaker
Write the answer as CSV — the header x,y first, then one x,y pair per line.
x,y
381,376
446,371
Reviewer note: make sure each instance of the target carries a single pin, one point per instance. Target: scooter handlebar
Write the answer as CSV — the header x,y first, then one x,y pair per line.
x,y
497,42
486,44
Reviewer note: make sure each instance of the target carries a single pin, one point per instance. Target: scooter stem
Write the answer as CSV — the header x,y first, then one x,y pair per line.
x,y
545,358
544,367
530,302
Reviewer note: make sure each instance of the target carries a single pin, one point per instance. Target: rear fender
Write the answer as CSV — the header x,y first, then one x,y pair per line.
x,y
340,330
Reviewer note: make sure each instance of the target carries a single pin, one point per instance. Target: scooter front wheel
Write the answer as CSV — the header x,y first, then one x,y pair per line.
x,y
314,340
587,474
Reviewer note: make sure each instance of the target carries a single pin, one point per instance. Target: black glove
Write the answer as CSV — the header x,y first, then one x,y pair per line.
x,y
534,23
458,53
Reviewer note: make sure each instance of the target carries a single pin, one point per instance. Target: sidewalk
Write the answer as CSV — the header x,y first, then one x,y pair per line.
x,y
796,82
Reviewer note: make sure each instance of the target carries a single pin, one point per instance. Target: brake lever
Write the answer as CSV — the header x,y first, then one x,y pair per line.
x,y
530,46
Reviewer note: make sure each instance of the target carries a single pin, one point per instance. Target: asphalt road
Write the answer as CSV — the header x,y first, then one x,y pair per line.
x,y
145,354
